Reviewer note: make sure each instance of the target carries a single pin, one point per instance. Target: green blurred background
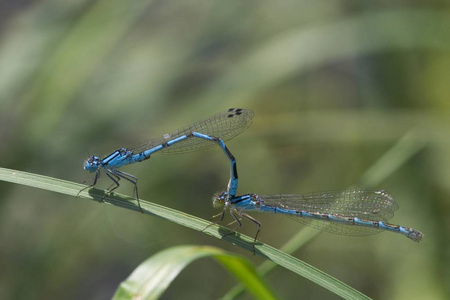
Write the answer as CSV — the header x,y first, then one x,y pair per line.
x,y
335,86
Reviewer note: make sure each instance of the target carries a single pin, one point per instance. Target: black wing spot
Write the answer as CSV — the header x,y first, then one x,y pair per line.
x,y
235,112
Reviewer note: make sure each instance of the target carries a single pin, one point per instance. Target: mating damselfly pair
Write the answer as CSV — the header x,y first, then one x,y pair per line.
x,y
351,212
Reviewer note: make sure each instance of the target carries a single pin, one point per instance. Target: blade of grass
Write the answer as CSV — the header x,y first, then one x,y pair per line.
x,y
406,147
152,278
283,259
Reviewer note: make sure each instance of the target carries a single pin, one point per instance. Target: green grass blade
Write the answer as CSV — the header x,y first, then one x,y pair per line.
x,y
406,147
217,231
151,279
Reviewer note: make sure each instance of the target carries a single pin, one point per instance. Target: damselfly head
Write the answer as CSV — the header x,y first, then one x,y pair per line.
x,y
219,199
92,163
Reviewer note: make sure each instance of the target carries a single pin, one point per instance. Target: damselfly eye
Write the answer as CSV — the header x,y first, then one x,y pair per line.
x,y
219,199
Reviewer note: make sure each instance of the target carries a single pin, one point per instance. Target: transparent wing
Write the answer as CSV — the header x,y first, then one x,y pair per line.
x,y
224,125
367,205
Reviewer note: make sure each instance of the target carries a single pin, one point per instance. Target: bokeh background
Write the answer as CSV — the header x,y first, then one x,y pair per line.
x,y
334,86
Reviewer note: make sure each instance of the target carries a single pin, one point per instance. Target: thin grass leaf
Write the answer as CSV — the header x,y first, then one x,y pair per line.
x,y
152,278
217,231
